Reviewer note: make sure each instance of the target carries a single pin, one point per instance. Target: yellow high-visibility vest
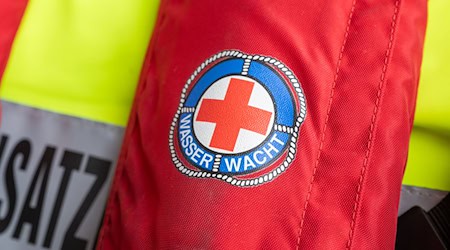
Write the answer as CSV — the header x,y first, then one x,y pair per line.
x,y
68,89
66,96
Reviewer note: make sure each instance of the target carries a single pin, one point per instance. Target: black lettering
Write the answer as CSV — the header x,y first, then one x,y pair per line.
x,y
31,214
99,168
21,151
3,142
70,161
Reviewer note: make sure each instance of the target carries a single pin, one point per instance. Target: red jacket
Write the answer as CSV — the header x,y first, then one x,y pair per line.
x,y
209,162
265,125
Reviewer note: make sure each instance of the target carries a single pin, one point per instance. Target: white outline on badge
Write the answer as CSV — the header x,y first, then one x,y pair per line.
x,y
293,131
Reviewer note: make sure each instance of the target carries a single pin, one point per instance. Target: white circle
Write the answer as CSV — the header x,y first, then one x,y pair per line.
x,y
246,139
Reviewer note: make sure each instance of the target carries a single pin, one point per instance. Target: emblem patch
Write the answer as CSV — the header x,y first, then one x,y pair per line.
x,y
238,120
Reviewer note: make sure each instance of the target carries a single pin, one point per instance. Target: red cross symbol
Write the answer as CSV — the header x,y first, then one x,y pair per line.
x,y
232,114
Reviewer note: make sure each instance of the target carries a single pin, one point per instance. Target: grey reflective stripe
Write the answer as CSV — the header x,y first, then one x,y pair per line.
x,y
55,175
422,197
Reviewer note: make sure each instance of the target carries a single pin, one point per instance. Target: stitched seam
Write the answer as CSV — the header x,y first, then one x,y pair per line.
x,y
372,126
322,139
114,193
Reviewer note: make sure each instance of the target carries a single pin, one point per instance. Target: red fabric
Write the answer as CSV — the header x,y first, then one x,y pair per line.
x,y
358,63
11,12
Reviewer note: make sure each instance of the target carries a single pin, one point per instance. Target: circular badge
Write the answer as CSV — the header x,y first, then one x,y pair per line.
x,y
238,120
